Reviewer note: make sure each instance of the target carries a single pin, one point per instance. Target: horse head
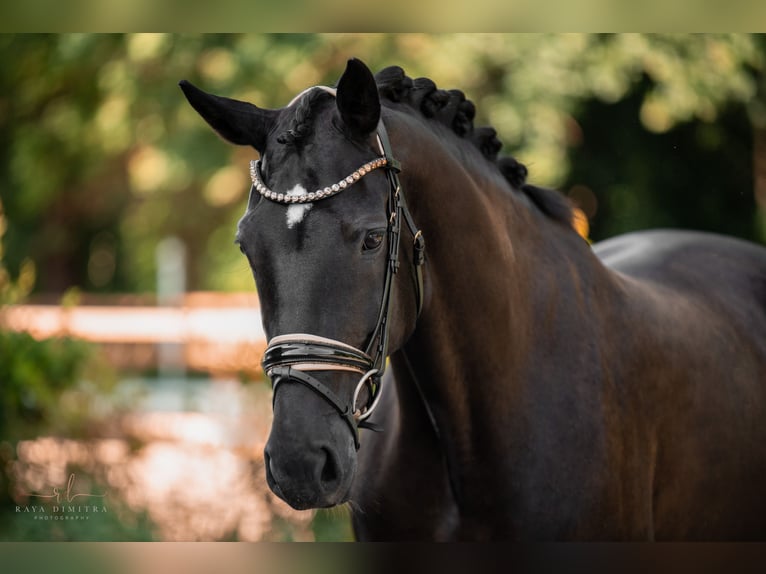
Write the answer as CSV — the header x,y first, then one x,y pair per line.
x,y
321,234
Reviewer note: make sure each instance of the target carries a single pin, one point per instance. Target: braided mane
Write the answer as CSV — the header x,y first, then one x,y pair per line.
x,y
452,109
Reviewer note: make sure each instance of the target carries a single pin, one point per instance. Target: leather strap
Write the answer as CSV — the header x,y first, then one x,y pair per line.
x,y
393,168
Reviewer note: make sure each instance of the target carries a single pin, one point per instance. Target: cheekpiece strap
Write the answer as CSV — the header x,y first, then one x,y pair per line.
x,y
392,163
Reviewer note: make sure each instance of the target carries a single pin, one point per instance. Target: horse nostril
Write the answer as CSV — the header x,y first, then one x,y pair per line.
x,y
269,468
330,469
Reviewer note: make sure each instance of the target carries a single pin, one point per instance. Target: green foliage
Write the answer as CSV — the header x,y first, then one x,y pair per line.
x,y
43,382
531,86
13,291
696,175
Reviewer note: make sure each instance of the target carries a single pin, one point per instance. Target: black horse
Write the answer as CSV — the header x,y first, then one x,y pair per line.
x,y
538,388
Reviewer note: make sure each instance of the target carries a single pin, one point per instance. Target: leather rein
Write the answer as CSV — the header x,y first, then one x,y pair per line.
x,y
290,357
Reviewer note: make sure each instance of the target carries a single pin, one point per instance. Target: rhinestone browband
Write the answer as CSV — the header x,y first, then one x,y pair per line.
x,y
344,183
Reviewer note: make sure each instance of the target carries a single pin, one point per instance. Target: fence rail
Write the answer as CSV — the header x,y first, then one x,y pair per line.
x,y
218,333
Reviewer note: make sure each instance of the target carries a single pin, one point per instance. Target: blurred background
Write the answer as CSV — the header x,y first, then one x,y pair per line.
x,y
130,337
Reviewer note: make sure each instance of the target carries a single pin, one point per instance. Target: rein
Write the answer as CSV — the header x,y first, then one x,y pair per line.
x,y
290,357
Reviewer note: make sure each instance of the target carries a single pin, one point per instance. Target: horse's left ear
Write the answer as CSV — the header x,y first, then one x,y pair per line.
x,y
357,98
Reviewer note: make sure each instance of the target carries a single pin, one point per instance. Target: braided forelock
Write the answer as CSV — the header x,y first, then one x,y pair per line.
x,y
300,125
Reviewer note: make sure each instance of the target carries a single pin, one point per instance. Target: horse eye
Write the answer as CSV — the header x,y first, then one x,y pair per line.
x,y
373,240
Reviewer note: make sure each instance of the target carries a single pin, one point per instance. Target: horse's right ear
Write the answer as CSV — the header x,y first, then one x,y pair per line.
x,y
240,123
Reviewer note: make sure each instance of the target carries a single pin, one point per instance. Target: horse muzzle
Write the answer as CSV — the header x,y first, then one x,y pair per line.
x,y
291,358
309,463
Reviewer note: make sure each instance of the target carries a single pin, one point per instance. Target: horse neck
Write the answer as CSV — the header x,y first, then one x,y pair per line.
x,y
500,280
497,268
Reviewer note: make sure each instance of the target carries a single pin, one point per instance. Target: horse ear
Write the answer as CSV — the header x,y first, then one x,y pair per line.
x,y
357,98
237,122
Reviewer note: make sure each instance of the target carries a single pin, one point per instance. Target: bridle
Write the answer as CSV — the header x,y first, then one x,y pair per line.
x,y
290,357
